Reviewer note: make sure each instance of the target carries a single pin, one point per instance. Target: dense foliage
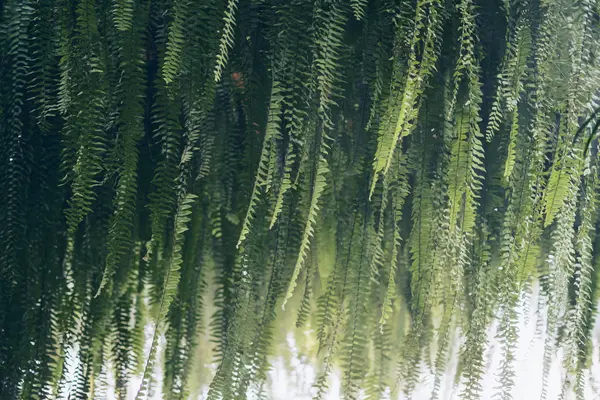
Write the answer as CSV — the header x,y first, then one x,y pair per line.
x,y
394,174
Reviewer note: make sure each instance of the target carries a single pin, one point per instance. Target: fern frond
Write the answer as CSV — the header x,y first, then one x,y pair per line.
x,y
263,177
358,6
123,14
169,288
557,188
226,41
397,205
472,357
175,41
512,144
318,186
575,342
516,76
421,64
130,123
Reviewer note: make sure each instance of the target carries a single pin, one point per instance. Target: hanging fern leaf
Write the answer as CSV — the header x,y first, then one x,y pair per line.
x,y
226,41
131,115
319,183
123,14
405,107
175,41
169,289
263,177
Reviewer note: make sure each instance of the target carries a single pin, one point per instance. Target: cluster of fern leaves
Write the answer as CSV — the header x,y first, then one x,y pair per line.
x,y
394,174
